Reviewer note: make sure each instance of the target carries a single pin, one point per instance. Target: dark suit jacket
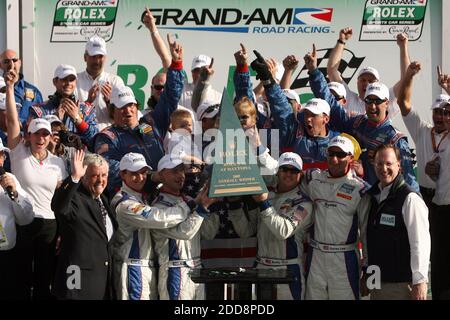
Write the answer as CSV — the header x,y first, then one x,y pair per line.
x,y
84,243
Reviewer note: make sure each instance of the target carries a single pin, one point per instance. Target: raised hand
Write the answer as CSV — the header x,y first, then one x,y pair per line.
x,y
241,56
106,91
10,77
71,108
78,168
92,94
402,39
261,68
290,62
206,72
443,80
272,65
149,21
176,50
345,34
413,69
311,59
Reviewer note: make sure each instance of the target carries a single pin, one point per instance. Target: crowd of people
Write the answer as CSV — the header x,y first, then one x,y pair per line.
x,y
107,199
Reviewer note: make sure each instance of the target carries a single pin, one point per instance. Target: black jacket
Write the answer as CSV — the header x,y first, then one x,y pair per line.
x,y
84,244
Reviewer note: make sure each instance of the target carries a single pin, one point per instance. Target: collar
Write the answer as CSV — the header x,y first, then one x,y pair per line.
x,y
93,79
125,188
393,187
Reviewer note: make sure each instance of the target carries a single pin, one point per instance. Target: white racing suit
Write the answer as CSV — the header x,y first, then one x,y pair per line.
x,y
133,253
178,250
280,228
341,211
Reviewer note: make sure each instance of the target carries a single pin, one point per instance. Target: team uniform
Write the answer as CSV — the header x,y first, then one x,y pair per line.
x,y
340,210
280,224
146,138
26,95
133,252
369,135
178,249
87,129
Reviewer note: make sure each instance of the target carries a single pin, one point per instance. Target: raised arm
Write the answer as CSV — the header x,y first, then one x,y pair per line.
x,y
158,42
443,80
290,63
405,88
12,118
336,55
402,41
202,86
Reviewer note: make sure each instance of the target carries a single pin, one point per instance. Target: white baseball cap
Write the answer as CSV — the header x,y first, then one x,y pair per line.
x,y
208,109
439,101
96,46
377,89
64,70
52,118
121,96
370,70
290,159
317,106
2,82
338,88
38,124
2,147
200,61
133,162
343,143
292,95
169,162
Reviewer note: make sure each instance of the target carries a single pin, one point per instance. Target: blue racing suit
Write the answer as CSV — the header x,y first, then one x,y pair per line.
x,y
26,95
293,136
147,138
369,134
87,129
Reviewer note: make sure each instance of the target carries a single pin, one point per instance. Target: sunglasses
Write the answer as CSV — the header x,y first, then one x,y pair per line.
x,y
14,60
289,170
338,97
158,87
337,154
376,101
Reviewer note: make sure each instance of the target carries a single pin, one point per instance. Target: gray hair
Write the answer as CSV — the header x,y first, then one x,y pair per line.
x,y
93,159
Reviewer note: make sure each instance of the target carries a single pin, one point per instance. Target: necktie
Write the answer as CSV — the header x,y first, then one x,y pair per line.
x,y
103,210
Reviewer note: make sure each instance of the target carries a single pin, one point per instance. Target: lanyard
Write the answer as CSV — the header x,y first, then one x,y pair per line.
x,y
433,140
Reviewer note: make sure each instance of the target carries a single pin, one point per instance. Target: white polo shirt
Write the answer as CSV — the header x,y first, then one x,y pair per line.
x,y
85,83
420,132
442,194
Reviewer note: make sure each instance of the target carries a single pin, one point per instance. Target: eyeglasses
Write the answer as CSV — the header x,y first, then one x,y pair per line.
x,y
376,101
338,154
289,170
14,60
338,97
158,87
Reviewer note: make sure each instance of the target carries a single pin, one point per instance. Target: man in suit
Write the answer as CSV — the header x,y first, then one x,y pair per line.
x,y
86,225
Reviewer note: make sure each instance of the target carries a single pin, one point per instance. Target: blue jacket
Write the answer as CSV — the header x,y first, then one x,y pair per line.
x,y
86,130
26,95
368,134
147,138
293,136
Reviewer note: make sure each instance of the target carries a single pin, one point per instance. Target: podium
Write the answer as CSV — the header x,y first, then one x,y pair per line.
x,y
264,279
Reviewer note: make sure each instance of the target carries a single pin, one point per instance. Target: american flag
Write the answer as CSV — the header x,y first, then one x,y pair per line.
x,y
227,249
348,67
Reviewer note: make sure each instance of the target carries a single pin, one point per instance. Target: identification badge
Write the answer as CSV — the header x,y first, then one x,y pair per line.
x,y
387,220
3,240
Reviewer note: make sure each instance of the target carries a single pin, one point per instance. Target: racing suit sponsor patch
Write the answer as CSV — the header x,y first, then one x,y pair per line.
x,y
345,196
29,94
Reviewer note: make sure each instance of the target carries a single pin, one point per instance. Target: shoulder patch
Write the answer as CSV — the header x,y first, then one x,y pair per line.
x,y
29,94
109,133
37,110
398,135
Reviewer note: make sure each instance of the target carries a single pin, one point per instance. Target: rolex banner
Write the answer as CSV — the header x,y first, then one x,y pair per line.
x,y
235,171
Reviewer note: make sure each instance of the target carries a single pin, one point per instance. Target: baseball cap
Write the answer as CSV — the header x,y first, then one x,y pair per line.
x,y
317,106
2,147
370,70
344,143
38,124
133,162
292,95
377,89
290,159
440,101
95,46
2,82
208,109
200,61
338,88
64,70
168,162
121,96
52,118
356,146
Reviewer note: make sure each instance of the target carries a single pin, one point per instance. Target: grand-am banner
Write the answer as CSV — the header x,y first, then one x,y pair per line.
x,y
216,28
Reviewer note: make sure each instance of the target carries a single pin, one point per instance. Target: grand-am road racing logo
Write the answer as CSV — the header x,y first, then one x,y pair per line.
x,y
269,20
